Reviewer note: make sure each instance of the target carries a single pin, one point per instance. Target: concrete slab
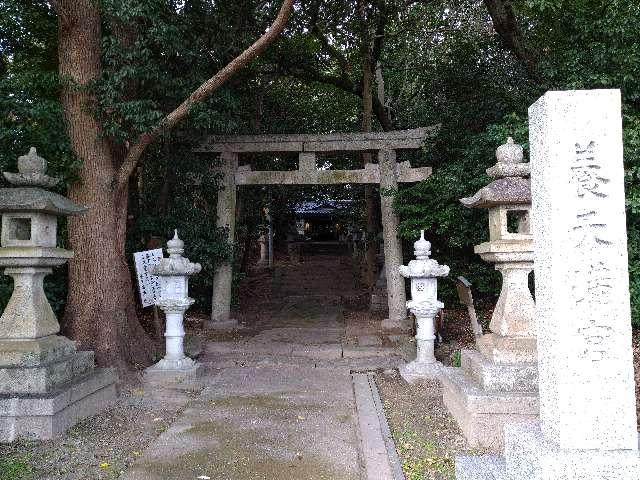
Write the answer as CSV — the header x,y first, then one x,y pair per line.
x,y
379,455
319,352
349,351
288,423
305,336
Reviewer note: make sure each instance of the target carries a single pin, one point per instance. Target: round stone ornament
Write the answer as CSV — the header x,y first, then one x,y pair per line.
x,y
32,163
510,152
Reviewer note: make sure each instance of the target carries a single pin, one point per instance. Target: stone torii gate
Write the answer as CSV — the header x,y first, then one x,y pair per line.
x,y
388,173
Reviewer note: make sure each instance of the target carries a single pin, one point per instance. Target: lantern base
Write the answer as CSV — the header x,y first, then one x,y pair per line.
x,y
414,371
44,416
168,371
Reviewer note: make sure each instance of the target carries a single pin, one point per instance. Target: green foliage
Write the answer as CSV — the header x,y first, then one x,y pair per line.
x,y
440,64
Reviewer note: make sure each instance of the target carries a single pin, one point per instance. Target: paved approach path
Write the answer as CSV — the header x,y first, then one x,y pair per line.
x,y
278,404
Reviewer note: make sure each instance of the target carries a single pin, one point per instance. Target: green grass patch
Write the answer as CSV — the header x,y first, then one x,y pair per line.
x,y
15,469
456,361
420,457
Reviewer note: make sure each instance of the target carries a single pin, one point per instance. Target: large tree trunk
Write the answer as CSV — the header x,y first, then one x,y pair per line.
x,y
100,310
367,124
372,217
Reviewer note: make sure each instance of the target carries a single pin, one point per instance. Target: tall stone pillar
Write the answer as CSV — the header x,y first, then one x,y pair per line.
x,y
223,276
587,428
264,252
392,245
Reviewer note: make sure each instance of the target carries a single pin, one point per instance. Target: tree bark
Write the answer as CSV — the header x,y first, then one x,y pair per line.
x,y
367,111
100,311
506,26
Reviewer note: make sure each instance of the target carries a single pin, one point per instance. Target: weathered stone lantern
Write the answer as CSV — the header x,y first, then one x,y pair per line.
x,y
424,304
45,384
510,247
497,384
174,273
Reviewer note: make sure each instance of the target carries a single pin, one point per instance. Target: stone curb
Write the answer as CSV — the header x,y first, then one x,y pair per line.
x,y
377,450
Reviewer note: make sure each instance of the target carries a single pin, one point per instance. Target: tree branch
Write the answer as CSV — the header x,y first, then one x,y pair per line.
x,y
202,93
506,26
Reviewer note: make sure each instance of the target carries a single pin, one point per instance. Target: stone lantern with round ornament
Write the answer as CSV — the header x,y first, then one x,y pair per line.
x,y
174,273
424,304
498,381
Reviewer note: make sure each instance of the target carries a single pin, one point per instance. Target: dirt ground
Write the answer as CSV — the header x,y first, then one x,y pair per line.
x,y
100,447
426,436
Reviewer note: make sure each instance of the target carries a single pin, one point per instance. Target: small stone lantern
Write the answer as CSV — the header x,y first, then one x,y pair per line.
x,y
424,304
510,244
41,372
174,273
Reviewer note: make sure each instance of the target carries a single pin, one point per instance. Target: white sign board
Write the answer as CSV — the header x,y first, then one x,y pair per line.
x,y
148,285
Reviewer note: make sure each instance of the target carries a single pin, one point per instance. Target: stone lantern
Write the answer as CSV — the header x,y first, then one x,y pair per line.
x,y
174,273
497,384
424,304
510,246
46,385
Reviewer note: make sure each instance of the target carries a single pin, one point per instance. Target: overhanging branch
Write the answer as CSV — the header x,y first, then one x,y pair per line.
x,y
202,93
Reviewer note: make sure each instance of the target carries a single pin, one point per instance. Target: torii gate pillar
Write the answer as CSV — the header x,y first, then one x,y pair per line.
x,y
223,275
397,299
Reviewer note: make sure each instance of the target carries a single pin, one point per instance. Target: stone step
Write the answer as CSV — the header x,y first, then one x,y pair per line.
x,y
499,377
41,379
48,415
481,401
481,415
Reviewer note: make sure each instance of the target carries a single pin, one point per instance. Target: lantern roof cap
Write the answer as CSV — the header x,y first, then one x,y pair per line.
x,y
29,199
176,264
31,172
512,186
504,191
423,266
422,248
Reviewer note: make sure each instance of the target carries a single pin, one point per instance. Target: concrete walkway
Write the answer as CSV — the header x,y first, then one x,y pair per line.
x,y
276,405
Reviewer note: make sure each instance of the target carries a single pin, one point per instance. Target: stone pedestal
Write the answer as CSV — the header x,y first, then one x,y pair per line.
x,y
425,366
46,385
497,384
379,300
264,251
587,428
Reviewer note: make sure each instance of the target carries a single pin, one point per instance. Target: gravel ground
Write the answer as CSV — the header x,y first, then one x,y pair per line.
x,y
426,436
101,447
